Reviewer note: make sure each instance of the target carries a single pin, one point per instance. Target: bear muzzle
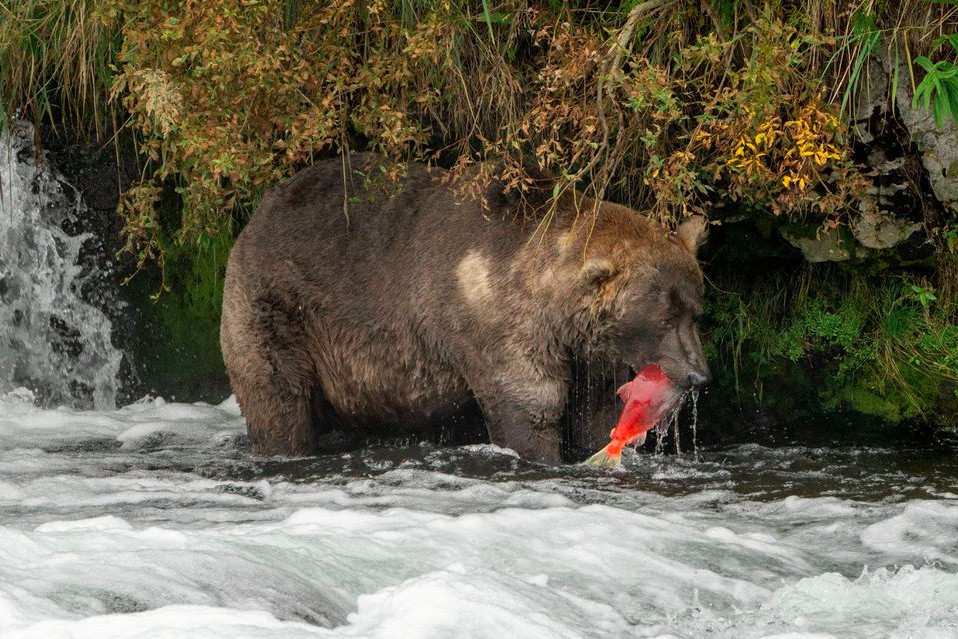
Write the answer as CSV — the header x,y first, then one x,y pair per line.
x,y
698,378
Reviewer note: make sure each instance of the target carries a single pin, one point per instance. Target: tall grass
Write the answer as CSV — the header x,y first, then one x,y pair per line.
x,y
56,61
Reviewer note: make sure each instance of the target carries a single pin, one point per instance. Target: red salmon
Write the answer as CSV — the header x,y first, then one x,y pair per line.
x,y
647,398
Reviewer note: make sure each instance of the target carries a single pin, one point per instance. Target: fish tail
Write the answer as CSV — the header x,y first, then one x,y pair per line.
x,y
605,458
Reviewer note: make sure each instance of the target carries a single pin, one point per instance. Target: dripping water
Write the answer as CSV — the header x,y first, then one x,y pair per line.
x,y
695,423
671,423
675,429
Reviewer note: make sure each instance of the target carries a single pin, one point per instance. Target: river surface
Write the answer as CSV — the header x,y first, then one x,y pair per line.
x,y
153,521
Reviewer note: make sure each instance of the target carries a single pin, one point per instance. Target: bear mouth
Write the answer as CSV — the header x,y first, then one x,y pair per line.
x,y
679,394
682,388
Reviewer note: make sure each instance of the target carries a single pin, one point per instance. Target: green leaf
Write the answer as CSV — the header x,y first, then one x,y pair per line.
x,y
922,94
936,111
925,64
951,93
488,15
863,24
951,38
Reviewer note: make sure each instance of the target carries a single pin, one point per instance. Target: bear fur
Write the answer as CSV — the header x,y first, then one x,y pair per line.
x,y
350,310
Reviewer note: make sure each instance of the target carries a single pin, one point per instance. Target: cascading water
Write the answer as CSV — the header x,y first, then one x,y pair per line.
x,y
52,342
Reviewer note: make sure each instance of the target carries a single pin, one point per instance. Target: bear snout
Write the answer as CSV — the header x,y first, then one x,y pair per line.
x,y
684,374
698,378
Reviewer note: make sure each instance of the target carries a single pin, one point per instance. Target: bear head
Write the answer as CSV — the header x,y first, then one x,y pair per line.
x,y
643,288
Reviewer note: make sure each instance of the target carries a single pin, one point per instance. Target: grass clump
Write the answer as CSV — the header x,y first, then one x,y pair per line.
x,y
56,60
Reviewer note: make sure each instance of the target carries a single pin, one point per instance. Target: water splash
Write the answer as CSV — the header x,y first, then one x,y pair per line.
x,y
671,423
51,340
666,423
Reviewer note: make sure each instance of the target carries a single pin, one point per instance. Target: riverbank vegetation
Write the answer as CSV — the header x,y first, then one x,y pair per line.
x,y
764,116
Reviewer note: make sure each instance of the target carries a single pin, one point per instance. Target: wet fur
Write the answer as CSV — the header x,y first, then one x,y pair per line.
x,y
419,305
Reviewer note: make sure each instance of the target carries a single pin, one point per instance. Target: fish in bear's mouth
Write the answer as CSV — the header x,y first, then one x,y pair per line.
x,y
648,397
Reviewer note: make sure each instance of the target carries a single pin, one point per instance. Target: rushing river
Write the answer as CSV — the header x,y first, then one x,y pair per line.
x,y
153,521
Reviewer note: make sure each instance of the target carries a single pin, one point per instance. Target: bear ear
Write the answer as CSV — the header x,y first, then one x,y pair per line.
x,y
691,233
597,271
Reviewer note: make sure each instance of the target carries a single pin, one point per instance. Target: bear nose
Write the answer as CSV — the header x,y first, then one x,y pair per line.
x,y
698,378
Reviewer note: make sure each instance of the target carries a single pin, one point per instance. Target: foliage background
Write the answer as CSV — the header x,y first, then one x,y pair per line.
x,y
756,114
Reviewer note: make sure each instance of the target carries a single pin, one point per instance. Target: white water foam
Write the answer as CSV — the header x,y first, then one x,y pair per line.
x,y
151,521
51,341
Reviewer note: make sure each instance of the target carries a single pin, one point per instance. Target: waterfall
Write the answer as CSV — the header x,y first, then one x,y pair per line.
x,y
52,341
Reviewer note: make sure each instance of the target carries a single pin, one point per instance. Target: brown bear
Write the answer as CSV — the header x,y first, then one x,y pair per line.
x,y
347,309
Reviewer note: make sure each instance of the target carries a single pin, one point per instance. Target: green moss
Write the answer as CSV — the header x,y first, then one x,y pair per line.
x,y
867,402
877,346
177,352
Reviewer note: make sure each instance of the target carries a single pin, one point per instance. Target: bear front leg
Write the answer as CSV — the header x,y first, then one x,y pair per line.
x,y
265,351
531,434
277,422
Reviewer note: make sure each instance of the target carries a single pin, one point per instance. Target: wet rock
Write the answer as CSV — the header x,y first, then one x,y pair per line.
x,y
880,229
870,97
938,145
826,246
